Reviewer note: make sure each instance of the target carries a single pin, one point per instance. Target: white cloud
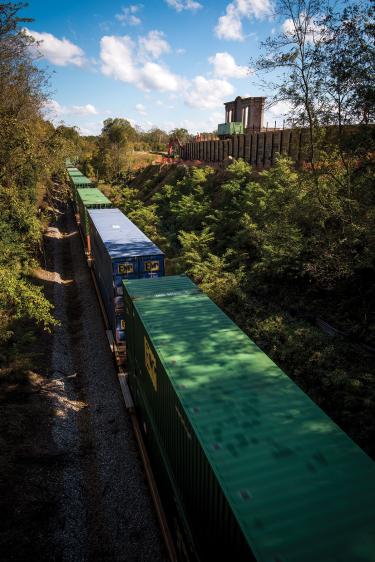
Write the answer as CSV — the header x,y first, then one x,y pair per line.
x,y
141,109
153,76
314,31
180,5
205,93
281,108
258,9
127,15
208,123
229,26
154,44
87,109
278,112
116,54
180,51
225,66
92,128
53,109
121,61
288,26
58,51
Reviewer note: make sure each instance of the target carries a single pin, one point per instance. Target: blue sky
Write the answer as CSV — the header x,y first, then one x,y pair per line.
x,y
165,63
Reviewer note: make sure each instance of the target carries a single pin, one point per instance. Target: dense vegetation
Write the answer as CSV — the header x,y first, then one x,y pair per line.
x,y
31,152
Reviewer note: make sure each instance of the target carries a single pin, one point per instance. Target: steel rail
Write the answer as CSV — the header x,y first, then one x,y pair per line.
x,y
129,405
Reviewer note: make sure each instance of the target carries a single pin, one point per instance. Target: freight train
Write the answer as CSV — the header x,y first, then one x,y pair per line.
x,y
249,468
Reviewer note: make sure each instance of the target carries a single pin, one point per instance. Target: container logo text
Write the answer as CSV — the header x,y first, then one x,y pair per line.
x,y
125,268
151,266
150,363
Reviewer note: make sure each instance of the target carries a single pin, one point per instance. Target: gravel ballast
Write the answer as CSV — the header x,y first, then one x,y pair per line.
x,y
104,506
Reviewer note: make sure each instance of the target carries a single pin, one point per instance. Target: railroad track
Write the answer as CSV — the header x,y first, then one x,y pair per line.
x,y
129,406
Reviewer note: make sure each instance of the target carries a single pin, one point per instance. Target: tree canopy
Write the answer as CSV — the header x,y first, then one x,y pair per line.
x,y
31,151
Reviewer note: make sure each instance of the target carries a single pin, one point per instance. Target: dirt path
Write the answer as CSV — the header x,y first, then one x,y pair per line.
x,y
99,507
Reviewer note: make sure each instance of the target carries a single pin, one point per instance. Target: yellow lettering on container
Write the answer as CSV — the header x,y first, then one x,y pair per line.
x,y
125,268
150,363
151,266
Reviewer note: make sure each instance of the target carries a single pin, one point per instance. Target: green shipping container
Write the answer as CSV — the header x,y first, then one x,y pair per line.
x,y
249,467
234,128
79,182
75,173
90,198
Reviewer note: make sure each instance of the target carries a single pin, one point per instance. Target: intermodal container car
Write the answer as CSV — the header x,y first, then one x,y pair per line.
x,y
74,172
89,198
119,251
80,181
249,467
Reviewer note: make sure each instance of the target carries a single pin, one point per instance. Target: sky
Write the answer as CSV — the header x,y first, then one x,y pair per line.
x,y
159,63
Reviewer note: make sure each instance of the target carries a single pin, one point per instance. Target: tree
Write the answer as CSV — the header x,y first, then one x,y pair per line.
x,y
156,138
30,149
211,271
347,65
294,57
115,142
181,134
324,60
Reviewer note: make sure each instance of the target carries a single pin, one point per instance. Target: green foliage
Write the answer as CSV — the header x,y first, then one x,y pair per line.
x,y
272,221
210,271
347,64
185,205
20,237
156,139
113,148
19,299
181,134
31,152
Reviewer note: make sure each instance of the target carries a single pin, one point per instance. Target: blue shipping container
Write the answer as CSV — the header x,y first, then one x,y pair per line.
x,y
120,251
